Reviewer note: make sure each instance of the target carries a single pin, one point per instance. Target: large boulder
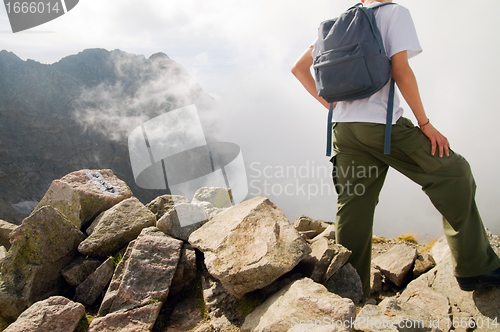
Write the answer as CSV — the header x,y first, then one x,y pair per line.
x,y
5,229
145,273
116,227
41,247
249,245
55,314
82,195
397,263
300,305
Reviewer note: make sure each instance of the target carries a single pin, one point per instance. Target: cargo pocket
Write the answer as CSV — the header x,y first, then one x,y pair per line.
x,y
428,162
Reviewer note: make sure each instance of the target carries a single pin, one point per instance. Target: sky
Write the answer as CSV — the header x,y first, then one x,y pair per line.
x,y
241,53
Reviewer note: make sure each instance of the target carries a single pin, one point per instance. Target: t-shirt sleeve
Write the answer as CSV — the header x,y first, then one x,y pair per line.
x,y
401,34
314,52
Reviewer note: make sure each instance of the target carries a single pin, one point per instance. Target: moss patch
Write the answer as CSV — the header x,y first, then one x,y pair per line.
x,y
249,302
408,237
4,323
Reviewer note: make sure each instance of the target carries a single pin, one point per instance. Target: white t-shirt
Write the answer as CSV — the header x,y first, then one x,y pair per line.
x,y
399,34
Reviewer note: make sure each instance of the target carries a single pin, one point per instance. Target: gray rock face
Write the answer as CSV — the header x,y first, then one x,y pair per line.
x,y
44,244
346,283
5,229
116,227
82,195
55,314
249,245
89,290
310,227
218,197
145,273
78,270
141,319
297,305
396,263
182,220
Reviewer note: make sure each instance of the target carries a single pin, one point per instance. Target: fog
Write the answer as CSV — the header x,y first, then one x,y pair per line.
x,y
241,54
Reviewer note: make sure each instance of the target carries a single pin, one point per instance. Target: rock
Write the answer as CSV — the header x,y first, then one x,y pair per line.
x,y
346,283
116,227
392,315
340,257
186,315
55,314
89,290
116,280
325,259
82,195
218,197
141,319
210,210
181,221
218,301
162,204
298,304
145,273
3,252
418,293
375,280
11,304
5,229
396,263
41,247
423,263
310,227
483,305
186,270
78,270
329,233
440,251
249,245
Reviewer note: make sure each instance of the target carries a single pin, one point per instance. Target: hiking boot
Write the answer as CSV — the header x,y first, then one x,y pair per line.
x,y
479,282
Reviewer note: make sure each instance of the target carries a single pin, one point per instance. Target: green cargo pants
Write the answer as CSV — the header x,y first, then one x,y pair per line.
x,y
359,171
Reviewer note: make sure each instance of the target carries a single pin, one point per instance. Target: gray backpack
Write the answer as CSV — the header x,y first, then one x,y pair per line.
x,y
351,62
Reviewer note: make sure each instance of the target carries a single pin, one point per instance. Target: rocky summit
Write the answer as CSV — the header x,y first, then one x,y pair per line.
x,y
92,257
76,114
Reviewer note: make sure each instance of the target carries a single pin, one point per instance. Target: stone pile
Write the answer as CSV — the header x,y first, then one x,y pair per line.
x,y
91,257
